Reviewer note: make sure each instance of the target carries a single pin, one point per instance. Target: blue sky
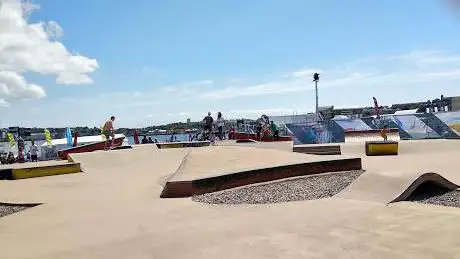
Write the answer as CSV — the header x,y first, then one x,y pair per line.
x,y
153,62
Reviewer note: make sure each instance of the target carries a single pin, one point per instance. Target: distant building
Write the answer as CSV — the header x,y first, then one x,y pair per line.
x,y
291,119
455,103
37,136
188,120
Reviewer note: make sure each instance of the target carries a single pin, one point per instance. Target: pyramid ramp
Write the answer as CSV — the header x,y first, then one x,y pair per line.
x,y
391,186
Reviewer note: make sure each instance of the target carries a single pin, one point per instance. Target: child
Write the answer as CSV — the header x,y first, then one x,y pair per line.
x,y
384,132
213,139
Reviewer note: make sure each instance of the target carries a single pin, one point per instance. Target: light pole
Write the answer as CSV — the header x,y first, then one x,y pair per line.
x,y
316,80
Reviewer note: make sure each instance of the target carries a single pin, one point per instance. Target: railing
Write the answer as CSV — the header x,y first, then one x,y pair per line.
x,y
411,126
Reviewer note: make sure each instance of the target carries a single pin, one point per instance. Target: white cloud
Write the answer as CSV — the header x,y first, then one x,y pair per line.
x,y
164,96
33,47
304,73
418,67
14,86
424,58
4,103
391,78
255,90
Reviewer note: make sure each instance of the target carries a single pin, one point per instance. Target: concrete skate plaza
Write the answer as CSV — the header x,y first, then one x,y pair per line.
x,y
114,210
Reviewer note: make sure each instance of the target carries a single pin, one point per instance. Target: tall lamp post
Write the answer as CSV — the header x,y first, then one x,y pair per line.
x,y
316,80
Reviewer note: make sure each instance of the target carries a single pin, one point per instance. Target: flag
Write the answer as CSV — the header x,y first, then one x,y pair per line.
x,y
11,140
48,137
102,133
68,135
376,107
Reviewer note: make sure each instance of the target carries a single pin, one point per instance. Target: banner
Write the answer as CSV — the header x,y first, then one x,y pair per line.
x,y
68,135
48,137
11,140
451,119
353,124
102,133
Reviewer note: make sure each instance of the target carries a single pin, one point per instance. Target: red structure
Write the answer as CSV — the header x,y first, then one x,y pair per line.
x,y
136,137
89,148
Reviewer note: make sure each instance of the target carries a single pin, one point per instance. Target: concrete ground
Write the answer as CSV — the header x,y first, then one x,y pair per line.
x,y
220,160
113,210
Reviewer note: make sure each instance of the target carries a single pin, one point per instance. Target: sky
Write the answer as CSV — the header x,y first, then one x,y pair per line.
x,y
150,62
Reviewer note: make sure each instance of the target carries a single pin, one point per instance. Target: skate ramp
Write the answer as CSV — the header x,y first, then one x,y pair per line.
x,y
410,147
318,149
135,173
222,167
429,146
39,169
391,187
278,145
140,157
159,164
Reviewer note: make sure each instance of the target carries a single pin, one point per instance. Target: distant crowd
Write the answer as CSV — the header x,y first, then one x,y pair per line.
x,y
30,155
265,127
148,140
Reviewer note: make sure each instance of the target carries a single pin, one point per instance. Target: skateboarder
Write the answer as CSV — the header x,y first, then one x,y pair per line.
x,y
384,132
108,132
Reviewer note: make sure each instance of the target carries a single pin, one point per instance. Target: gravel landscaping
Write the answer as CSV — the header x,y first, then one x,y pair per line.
x,y
297,189
7,209
443,198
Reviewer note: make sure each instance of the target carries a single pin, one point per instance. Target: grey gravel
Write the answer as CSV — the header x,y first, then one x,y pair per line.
x,y
450,199
7,209
297,189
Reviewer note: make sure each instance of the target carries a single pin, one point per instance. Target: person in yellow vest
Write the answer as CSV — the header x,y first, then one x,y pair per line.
x,y
108,132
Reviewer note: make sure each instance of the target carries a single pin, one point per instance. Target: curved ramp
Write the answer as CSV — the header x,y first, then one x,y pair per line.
x,y
390,187
223,167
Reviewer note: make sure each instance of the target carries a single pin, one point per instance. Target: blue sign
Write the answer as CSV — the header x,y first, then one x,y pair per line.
x,y
68,135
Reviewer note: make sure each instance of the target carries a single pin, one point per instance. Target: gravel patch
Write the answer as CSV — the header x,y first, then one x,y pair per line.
x,y
450,199
7,209
297,189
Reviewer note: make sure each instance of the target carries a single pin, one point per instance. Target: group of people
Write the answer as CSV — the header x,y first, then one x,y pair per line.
x,y
30,156
209,127
265,127
148,140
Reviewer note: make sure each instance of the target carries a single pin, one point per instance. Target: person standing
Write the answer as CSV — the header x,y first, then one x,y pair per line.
x,y
21,148
33,152
108,132
275,131
220,125
259,131
208,121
